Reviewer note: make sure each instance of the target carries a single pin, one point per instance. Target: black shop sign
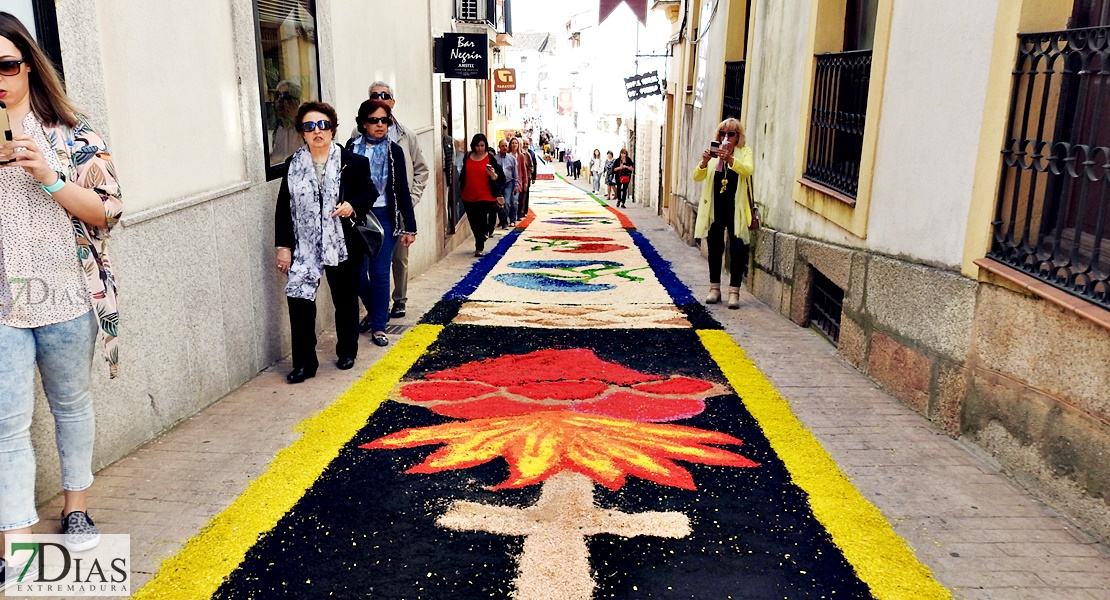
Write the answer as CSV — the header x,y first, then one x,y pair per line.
x,y
463,55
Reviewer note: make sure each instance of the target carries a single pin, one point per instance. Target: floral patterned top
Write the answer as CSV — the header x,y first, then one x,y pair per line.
x,y
86,162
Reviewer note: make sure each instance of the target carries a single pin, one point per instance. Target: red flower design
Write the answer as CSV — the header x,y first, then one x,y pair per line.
x,y
575,380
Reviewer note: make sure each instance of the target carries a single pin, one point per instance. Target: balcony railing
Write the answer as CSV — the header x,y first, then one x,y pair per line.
x,y
838,120
734,90
1053,213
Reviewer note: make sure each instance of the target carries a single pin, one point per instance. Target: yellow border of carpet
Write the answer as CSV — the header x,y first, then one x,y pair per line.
x,y
199,569
880,557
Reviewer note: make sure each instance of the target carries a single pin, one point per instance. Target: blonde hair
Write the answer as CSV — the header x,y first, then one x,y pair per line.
x,y
731,124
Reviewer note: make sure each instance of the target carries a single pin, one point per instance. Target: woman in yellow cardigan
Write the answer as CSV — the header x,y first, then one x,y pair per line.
x,y
724,208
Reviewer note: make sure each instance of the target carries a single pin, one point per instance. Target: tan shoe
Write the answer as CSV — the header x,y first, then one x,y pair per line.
x,y
714,294
734,298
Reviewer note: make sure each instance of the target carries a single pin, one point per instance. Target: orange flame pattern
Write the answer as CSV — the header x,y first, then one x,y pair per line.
x,y
540,444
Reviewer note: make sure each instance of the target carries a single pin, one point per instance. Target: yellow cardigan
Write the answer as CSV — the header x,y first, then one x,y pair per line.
x,y
743,163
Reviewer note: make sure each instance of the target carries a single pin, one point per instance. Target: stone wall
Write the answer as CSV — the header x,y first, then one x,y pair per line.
x,y
1020,377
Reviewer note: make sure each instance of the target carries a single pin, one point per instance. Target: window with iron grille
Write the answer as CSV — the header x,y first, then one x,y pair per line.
x,y
839,109
1052,218
734,89
826,307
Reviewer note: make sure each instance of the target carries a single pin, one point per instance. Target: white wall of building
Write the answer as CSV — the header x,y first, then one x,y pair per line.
x,y
173,98
936,84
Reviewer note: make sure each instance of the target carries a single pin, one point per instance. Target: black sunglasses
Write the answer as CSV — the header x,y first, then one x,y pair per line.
x,y
323,124
728,133
10,67
376,120
381,96
285,96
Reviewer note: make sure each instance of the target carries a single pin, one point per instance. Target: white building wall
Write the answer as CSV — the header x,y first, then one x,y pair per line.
x,y
172,96
936,84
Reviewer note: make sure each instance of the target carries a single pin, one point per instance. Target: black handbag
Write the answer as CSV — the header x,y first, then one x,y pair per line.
x,y
370,231
366,228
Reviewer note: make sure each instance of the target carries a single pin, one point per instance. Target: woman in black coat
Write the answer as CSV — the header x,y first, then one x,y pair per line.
x,y
622,170
323,187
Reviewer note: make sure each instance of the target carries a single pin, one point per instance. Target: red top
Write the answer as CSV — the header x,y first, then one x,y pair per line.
x,y
522,168
477,180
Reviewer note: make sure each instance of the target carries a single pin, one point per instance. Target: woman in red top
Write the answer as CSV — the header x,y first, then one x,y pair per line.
x,y
481,191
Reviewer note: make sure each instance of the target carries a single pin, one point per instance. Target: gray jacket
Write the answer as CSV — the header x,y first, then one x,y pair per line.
x,y
418,167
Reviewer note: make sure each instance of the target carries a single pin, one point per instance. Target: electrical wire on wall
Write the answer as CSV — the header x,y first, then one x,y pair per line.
x,y
708,24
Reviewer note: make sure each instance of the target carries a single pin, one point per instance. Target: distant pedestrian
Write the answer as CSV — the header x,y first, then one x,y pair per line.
x,y
568,157
58,200
724,210
623,168
480,182
597,168
610,177
526,170
323,186
510,186
393,208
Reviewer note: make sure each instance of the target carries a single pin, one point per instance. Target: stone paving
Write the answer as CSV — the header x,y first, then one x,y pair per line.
x,y
983,537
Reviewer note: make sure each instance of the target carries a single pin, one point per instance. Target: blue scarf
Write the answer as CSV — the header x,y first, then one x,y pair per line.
x,y
377,151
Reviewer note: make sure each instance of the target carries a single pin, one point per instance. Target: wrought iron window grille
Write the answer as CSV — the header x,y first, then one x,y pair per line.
x,y
734,89
838,119
1053,210
826,307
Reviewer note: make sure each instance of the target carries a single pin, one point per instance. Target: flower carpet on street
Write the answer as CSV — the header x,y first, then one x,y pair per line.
x,y
567,423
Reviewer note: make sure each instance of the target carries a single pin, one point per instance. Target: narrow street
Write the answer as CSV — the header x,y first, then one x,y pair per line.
x,y
563,419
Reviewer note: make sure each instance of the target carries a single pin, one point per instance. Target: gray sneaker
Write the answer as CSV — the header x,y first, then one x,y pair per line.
x,y
81,534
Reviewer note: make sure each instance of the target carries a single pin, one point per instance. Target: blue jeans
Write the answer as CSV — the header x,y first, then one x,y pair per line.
x,y
510,203
373,284
64,354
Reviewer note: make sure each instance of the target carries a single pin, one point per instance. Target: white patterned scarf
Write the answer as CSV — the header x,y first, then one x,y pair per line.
x,y
320,240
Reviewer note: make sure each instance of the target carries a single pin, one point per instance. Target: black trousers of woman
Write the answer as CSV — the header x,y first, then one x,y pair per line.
x,y
622,193
483,221
738,253
342,279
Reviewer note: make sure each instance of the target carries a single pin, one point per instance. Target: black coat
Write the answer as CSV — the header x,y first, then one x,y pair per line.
x,y
355,189
397,195
495,187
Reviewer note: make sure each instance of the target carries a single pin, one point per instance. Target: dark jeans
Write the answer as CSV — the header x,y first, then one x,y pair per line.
x,y
342,279
738,254
522,205
622,191
483,219
373,281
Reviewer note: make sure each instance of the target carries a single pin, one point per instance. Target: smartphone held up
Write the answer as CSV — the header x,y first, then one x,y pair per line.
x,y
5,153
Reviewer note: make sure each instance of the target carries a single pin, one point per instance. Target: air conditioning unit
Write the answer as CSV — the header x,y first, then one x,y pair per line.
x,y
473,11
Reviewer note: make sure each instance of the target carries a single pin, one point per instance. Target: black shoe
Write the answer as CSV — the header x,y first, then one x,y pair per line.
x,y
79,531
345,364
380,339
398,311
364,325
479,253
300,374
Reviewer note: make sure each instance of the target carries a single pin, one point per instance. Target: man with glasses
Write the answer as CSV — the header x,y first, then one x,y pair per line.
x,y
285,137
418,177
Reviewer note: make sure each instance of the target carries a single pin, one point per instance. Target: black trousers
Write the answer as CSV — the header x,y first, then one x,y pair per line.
x,y
622,191
738,253
522,205
343,279
483,221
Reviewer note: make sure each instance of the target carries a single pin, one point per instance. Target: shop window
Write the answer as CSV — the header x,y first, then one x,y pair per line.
x,y
289,73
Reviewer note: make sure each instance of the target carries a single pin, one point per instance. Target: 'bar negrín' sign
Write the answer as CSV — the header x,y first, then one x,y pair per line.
x,y
465,56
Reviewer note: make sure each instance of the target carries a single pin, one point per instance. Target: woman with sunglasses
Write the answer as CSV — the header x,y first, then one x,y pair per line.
x,y
610,176
393,208
323,187
58,200
724,209
480,182
622,170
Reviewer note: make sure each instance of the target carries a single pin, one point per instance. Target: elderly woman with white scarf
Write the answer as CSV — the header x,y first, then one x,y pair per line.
x,y
323,188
